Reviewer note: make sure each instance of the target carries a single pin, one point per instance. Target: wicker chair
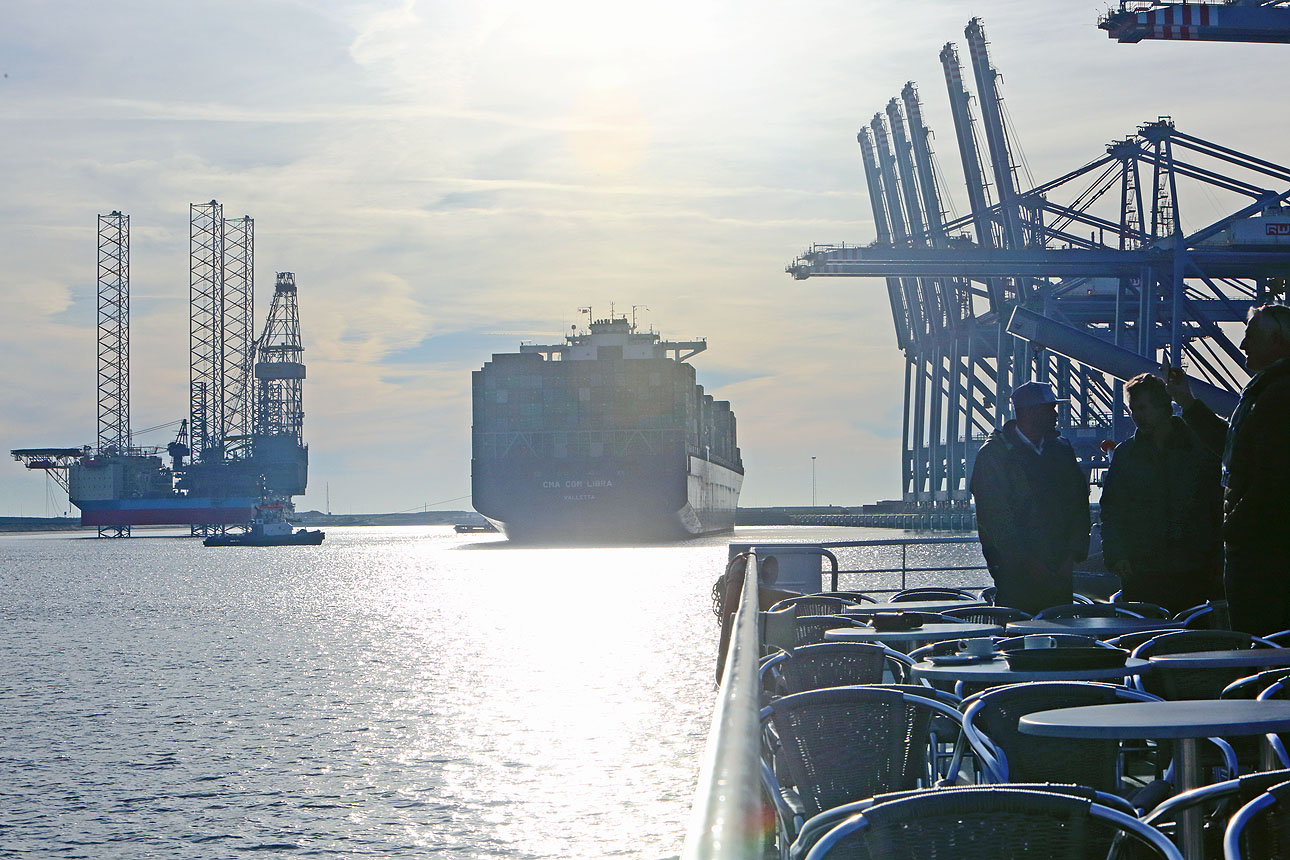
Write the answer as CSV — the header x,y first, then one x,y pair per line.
x,y
932,593
1085,610
820,824
853,596
1193,683
816,604
990,725
987,823
832,664
842,744
1000,615
1216,802
809,629
1260,830
1210,615
1129,641
1250,686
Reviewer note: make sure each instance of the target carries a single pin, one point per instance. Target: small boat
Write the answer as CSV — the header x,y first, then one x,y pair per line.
x,y
466,528
269,528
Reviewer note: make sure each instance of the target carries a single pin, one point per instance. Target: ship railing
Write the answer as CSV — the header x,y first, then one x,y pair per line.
x,y
966,567
726,818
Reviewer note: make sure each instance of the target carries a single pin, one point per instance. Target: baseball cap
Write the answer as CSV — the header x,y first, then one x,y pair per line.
x,y
1032,394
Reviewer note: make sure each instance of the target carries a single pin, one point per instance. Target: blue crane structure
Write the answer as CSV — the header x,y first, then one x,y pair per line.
x,y
1225,21
1082,281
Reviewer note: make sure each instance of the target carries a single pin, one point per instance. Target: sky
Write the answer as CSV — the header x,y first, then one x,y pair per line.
x,y
447,179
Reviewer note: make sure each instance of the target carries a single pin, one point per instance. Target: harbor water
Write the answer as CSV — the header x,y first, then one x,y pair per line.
x,y
396,692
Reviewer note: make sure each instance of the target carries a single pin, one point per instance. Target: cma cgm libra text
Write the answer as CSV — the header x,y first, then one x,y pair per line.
x,y
605,437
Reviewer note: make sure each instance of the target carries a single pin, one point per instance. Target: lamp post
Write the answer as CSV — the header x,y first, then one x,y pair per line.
x,y
812,482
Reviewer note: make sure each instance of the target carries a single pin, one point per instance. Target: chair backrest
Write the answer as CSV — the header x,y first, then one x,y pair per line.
x,y
1192,683
853,596
833,664
1260,830
1250,686
1217,801
932,593
809,629
1210,615
1010,756
1085,610
1145,609
818,825
847,743
1129,641
814,604
986,823
988,593
1187,641
987,614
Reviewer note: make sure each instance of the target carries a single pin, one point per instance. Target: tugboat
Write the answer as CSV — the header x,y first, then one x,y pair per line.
x,y
269,528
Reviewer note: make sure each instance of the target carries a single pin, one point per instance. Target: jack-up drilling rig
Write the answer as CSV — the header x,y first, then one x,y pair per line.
x,y
242,444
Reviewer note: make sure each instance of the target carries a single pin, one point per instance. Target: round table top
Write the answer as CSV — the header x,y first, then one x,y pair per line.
x,y
996,671
918,605
1101,628
926,633
1172,719
1245,657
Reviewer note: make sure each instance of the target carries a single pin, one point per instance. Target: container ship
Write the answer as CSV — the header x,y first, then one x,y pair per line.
x,y
606,437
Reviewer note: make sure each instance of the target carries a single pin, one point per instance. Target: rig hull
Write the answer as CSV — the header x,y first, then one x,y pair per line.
x,y
180,510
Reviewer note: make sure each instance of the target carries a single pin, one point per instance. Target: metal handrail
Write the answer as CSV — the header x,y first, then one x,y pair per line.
x,y
726,816
904,544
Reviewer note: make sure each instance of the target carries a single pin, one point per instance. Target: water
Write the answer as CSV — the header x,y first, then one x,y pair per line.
x,y
399,692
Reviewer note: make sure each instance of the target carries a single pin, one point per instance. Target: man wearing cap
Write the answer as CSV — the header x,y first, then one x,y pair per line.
x,y
1031,504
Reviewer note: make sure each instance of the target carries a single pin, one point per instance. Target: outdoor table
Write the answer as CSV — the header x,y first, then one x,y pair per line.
x,y
1183,720
1244,658
926,633
1204,674
918,605
996,672
1098,628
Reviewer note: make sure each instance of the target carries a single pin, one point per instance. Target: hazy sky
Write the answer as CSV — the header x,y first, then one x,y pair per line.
x,y
447,179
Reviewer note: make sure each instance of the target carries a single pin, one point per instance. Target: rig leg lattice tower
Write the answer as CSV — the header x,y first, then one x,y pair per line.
x,y
113,381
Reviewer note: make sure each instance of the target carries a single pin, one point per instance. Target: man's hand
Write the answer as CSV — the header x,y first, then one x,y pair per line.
x,y
1177,385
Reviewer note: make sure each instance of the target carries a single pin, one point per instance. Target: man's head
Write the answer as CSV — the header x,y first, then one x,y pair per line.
x,y
1267,336
1149,402
1035,406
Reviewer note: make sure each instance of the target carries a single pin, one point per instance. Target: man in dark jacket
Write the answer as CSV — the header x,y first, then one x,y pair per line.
x,y
1256,474
1162,506
1031,504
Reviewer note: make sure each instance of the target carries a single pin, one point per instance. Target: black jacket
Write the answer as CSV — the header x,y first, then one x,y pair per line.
x,y
1256,456
1162,510
1030,508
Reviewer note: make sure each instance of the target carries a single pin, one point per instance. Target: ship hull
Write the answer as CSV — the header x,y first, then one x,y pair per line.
x,y
179,510
606,500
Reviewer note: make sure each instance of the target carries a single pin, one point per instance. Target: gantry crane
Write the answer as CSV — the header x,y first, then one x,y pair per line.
x,y
1196,20
1082,281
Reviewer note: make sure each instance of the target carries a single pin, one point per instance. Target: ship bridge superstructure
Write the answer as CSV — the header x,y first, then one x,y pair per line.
x,y
1082,281
616,337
